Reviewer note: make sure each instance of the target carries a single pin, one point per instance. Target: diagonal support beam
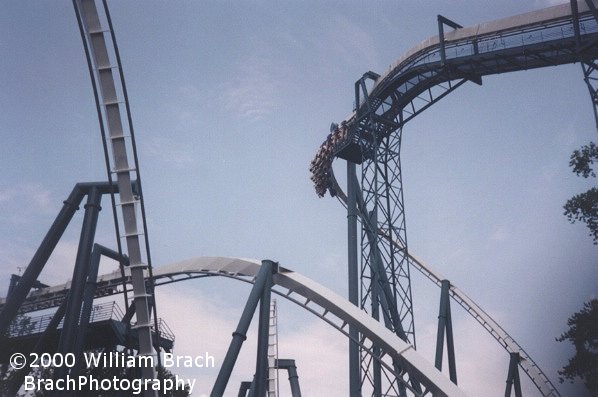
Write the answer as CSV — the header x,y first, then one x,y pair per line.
x,y
240,335
445,325
441,22
380,281
45,249
513,376
353,277
261,364
80,272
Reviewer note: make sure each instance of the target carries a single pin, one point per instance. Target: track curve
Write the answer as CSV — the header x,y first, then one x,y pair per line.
x,y
532,370
308,294
435,67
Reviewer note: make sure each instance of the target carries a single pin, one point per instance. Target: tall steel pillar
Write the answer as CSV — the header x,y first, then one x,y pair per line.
x,y
261,364
291,368
258,294
590,76
110,94
353,264
383,204
445,325
19,292
80,272
74,300
589,67
381,184
513,380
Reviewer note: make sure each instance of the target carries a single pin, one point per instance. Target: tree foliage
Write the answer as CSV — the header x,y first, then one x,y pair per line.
x,y
583,333
584,206
581,160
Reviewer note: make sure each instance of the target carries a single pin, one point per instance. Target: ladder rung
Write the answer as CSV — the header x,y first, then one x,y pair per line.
x,y
121,170
136,326
106,67
128,202
120,136
131,235
98,31
138,265
109,103
146,295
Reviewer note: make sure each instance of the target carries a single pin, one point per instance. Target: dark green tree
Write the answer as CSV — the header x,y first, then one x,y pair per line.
x,y
584,206
583,333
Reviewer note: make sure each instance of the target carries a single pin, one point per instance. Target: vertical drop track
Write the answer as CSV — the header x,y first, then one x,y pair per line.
x,y
119,146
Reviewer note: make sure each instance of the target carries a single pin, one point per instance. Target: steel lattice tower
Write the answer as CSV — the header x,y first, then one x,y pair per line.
x,y
384,278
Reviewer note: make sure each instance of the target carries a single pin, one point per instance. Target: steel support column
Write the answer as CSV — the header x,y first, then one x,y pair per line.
x,y
445,325
590,76
90,287
74,300
513,376
382,201
244,388
441,22
376,367
80,272
353,270
240,333
291,367
29,277
261,364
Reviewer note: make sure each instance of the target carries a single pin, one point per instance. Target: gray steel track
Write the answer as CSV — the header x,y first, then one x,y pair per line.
x,y
303,291
438,65
122,146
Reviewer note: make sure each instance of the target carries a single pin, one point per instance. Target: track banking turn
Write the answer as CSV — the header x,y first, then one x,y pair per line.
x,y
430,71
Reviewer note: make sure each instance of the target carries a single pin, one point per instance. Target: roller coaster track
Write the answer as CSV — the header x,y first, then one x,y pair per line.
x,y
428,72
537,39
417,80
246,270
528,365
110,93
434,68
299,289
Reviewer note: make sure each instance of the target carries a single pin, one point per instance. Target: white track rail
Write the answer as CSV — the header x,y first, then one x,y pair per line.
x,y
497,28
122,146
428,52
246,270
317,299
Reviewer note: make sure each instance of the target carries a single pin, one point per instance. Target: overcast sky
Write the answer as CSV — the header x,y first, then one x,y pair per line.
x,y
230,101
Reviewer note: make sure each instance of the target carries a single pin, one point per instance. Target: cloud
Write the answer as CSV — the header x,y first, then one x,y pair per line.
x,y
350,43
344,43
499,234
36,198
57,270
202,324
61,263
169,151
549,3
320,353
252,92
